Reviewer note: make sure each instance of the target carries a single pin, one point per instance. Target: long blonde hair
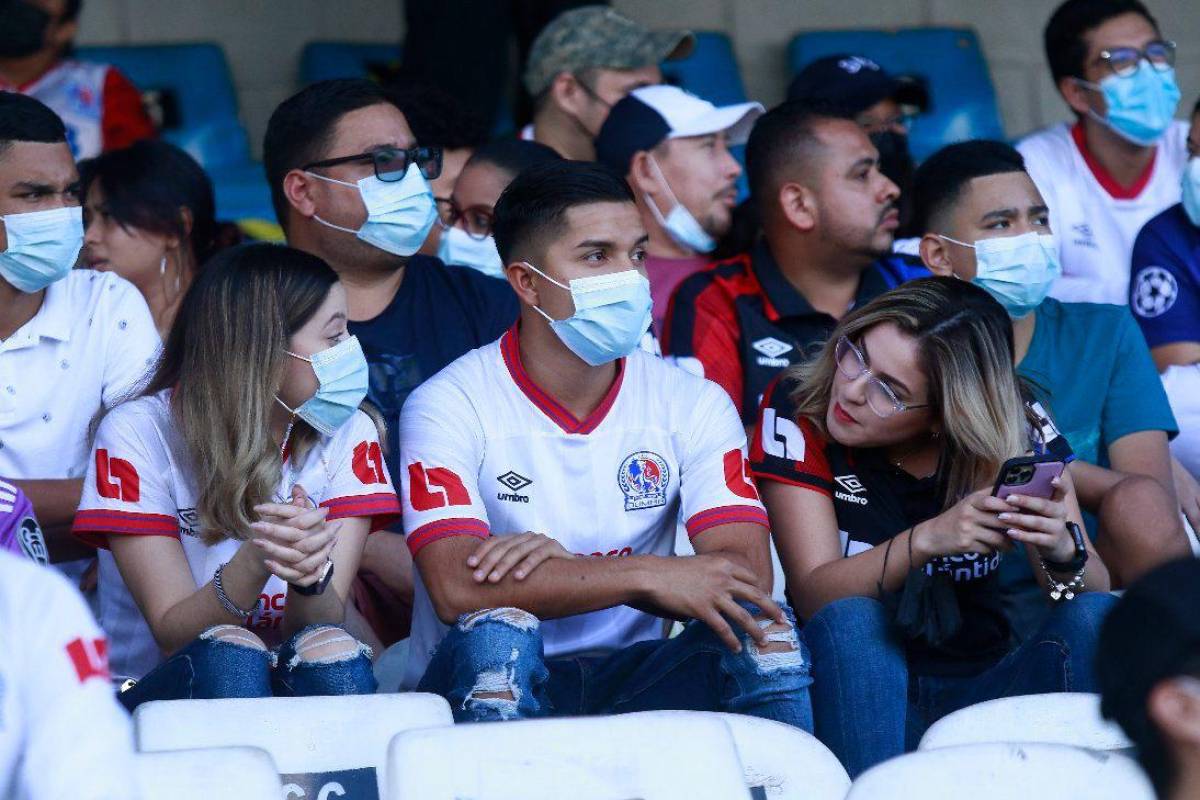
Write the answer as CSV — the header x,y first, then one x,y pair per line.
x,y
224,361
965,347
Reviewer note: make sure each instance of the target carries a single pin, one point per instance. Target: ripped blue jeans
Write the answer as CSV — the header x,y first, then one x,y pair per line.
x,y
491,666
228,661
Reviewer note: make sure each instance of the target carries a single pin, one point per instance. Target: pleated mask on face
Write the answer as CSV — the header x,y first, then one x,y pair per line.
x,y
399,213
342,379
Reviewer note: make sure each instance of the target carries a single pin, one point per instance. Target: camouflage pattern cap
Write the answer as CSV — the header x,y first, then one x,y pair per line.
x,y
597,37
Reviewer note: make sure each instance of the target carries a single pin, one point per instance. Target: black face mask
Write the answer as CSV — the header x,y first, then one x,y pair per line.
x,y
896,163
22,28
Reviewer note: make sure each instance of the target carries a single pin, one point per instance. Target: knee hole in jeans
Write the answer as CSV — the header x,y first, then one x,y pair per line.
x,y
232,634
780,651
327,645
513,617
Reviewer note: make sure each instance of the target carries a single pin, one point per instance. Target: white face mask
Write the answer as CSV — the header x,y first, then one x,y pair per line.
x,y
1191,190
679,223
399,213
42,247
459,247
1016,270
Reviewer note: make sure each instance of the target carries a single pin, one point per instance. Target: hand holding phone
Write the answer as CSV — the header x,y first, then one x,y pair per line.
x,y
1031,476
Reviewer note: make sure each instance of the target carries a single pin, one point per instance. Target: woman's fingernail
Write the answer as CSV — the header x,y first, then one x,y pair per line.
x,y
1013,532
478,574
472,561
1004,516
520,574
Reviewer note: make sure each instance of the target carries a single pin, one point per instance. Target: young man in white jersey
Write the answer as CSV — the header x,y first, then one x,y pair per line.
x,y
1118,164
563,427
62,733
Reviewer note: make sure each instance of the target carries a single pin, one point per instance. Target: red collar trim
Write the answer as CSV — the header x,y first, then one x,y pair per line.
x,y
510,348
1103,177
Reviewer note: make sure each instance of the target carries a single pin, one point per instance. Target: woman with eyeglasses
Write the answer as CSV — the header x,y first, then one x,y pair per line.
x,y
876,461
231,501
466,216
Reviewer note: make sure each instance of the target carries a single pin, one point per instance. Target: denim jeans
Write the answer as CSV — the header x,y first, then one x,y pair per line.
x,y
868,706
491,666
211,667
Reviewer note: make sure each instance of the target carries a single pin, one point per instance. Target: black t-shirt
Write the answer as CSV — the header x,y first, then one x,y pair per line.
x,y
439,313
875,501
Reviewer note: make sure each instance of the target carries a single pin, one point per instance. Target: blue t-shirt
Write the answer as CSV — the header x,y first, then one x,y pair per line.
x,y
439,313
1164,290
1090,366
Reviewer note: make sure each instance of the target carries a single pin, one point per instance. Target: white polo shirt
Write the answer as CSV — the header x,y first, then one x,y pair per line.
x,y
1095,220
141,483
90,344
62,733
485,451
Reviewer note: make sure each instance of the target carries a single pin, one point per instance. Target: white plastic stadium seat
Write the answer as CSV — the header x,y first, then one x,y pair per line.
x,y
323,746
783,762
1004,771
231,773
1064,718
580,758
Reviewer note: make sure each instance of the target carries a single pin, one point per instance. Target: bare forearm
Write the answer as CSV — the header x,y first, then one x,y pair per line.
x,y
860,575
243,579
54,501
1092,483
1095,576
327,608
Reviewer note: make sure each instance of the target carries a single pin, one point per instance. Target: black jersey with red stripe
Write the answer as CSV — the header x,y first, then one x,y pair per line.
x,y
740,322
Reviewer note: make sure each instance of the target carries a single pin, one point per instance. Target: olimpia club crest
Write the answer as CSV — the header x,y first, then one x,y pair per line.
x,y
643,479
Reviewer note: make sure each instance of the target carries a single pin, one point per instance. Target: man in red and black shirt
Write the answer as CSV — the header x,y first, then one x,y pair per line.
x,y
100,107
829,217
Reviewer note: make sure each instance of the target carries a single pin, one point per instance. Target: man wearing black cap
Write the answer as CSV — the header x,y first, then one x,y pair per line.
x,y
1148,665
673,149
882,103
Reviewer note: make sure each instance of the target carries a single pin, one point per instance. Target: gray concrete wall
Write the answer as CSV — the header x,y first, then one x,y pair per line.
x,y
263,38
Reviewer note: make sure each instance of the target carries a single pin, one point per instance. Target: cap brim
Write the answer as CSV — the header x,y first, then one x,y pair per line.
x,y
911,91
672,45
735,120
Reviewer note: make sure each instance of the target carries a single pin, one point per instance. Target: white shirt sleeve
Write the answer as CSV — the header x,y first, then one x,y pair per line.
x,y
360,485
132,341
78,740
715,483
441,450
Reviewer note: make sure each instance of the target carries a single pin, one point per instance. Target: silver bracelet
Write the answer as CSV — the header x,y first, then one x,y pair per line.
x,y
1064,591
223,598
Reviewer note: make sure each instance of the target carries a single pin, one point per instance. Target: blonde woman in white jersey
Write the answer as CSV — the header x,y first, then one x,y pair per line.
x,y
232,499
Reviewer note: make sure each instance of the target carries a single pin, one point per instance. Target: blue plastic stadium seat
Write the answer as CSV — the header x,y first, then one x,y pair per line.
x,y
197,99
321,61
963,100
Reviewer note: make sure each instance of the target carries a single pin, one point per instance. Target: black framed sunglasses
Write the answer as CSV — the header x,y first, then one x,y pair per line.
x,y
390,163
1124,61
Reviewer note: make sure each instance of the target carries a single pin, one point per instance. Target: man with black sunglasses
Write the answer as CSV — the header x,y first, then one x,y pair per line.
x,y
350,183
1118,164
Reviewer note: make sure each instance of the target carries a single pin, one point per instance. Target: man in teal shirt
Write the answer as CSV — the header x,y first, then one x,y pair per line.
x,y
985,221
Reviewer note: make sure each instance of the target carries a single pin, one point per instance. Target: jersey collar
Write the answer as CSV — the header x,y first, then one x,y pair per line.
x,y
510,349
1104,177
782,299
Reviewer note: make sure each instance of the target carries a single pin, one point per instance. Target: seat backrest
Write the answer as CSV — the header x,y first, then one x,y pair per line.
x,y
963,99
711,71
782,762
315,741
581,758
1002,772
231,773
192,90
321,61
1063,718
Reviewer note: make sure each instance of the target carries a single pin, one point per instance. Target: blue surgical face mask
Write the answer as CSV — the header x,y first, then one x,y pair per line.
x,y
399,213
341,374
1191,190
1016,270
679,223
1140,106
612,312
459,247
42,247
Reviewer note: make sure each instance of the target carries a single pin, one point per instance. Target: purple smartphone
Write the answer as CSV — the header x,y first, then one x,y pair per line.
x,y
1029,475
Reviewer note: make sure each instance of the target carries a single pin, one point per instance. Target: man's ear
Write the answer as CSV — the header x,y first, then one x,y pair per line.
x,y
643,178
798,205
1174,709
566,92
298,189
64,33
936,254
1076,96
520,278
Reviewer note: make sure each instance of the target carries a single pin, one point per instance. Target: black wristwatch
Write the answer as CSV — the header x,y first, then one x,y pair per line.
x,y
1081,553
318,587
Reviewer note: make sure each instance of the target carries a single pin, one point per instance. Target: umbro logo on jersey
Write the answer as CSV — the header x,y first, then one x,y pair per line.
x,y
853,487
514,482
771,349
1083,235
189,521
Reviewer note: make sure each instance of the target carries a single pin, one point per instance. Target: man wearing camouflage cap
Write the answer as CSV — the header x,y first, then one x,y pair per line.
x,y
581,64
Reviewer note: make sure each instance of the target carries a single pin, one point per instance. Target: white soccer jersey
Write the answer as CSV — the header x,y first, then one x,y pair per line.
x,y
487,452
1096,221
140,484
62,733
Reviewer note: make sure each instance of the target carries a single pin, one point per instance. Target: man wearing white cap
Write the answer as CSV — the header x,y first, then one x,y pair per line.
x,y
673,149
